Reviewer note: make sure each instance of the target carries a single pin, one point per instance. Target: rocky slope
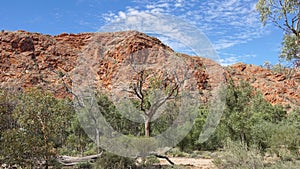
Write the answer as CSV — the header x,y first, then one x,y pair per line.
x,y
277,87
50,62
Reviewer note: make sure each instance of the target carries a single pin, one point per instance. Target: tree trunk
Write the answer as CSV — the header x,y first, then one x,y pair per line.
x,y
97,139
147,127
244,139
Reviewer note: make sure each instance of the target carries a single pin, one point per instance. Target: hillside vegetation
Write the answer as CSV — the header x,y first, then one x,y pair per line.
x,y
39,127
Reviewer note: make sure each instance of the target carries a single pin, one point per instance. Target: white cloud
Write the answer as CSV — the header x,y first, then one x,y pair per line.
x,y
228,61
223,44
226,22
122,15
179,3
178,34
229,58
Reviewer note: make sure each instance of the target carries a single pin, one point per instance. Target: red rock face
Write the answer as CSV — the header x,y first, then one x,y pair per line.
x,y
32,59
278,88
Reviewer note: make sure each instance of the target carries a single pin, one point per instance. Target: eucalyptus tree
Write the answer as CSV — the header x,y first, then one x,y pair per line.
x,y
285,14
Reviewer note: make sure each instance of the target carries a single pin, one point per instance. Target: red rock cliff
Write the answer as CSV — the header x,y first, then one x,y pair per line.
x,y
32,59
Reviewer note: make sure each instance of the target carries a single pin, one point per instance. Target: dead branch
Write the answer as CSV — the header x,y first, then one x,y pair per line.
x,y
71,161
164,157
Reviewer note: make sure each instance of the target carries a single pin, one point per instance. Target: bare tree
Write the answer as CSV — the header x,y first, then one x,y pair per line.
x,y
169,85
153,84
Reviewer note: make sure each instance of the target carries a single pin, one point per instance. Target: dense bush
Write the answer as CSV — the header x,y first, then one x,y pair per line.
x,y
237,156
36,127
256,128
284,165
246,108
40,122
111,161
8,102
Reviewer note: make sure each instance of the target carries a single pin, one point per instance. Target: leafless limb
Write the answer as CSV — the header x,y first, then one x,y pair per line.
x,y
71,161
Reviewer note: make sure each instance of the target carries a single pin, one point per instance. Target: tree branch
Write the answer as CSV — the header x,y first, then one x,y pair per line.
x,y
160,102
71,161
287,24
164,157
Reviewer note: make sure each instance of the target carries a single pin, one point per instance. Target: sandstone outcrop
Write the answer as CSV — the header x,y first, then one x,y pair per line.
x,y
33,59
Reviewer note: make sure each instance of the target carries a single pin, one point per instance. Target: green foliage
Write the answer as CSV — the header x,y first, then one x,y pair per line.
x,y
41,122
115,119
77,141
285,141
256,127
294,118
262,133
282,138
190,142
35,127
244,109
176,152
146,162
236,156
8,102
278,68
166,118
290,50
285,14
248,118
284,165
20,147
279,10
122,124
111,161
84,165
149,161
152,93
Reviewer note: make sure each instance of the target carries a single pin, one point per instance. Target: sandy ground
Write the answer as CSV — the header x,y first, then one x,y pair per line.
x,y
190,163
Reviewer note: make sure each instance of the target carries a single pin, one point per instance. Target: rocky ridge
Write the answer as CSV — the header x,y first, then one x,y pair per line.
x,y
277,87
33,59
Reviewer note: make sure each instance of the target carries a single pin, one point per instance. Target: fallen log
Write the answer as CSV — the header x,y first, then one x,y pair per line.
x,y
71,161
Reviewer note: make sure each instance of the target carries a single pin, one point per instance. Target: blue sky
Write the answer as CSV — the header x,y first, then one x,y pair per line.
x,y
232,26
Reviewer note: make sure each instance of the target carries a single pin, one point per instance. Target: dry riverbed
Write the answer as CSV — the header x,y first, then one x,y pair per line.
x,y
190,163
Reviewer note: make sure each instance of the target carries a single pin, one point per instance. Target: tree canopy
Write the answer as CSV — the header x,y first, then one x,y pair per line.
x,y
285,14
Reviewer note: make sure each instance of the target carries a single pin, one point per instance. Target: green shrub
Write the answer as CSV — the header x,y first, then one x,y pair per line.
x,y
84,165
151,160
175,152
112,161
284,165
285,141
236,156
278,68
262,133
40,121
